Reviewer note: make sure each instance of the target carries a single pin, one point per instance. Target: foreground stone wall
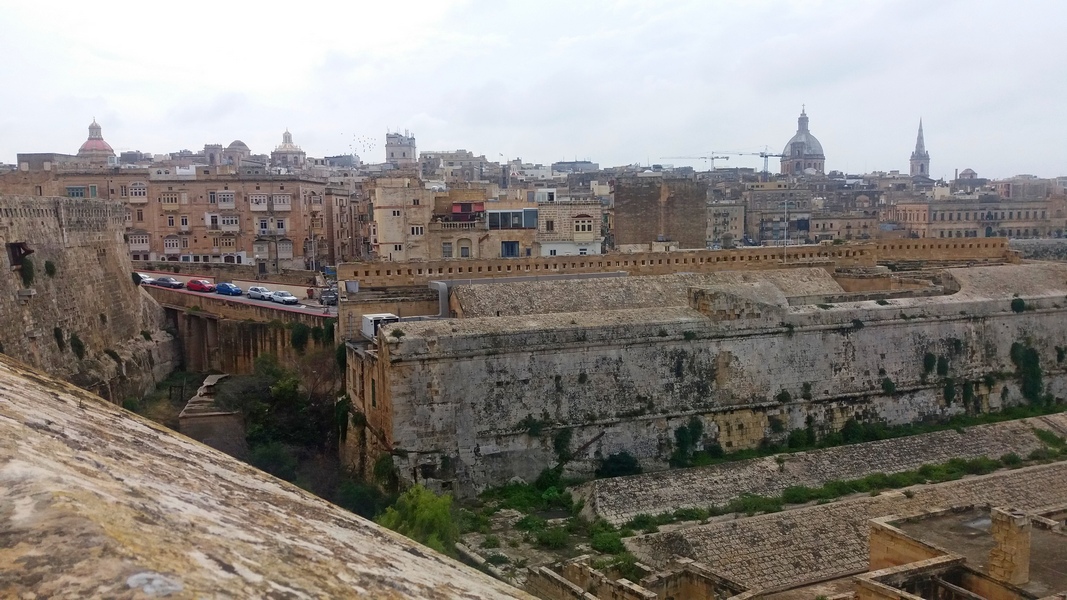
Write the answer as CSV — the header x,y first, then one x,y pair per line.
x,y
90,297
619,499
96,502
832,540
476,402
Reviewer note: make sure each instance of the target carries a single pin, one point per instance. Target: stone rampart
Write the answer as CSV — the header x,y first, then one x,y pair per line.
x,y
832,540
1055,249
488,397
619,499
81,299
394,274
231,272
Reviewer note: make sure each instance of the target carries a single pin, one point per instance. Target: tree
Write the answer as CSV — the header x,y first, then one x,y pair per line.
x,y
424,517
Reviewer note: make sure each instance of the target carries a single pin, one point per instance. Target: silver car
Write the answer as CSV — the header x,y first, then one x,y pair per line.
x,y
284,297
259,293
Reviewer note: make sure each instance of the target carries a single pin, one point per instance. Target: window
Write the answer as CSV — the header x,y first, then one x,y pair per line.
x,y
185,242
398,247
185,221
140,215
211,197
92,191
170,221
129,216
171,243
229,242
396,213
586,225
446,249
464,252
138,240
417,230
171,198
225,198
513,219
583,251
75,191
509,249
258,201
550,225
123,191
282,201
280,224
227,220
215,242
138,190
551,252
262,226
415,202
213,222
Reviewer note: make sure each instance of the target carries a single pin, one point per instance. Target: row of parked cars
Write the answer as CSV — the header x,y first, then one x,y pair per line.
x,y
226,289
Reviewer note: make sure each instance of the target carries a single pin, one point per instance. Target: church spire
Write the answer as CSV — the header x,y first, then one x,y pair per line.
x,y
802,121
920,159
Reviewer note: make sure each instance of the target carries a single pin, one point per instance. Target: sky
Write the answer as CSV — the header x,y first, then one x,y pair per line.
x,y
612,82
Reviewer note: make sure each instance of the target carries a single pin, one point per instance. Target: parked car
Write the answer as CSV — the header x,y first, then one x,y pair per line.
x,y
228,289
200,285
328,298
168,282
259,293
284,297
146,279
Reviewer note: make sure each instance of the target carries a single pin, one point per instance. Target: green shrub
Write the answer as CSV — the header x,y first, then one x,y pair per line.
x,y
131,404
298,337
147,335
949,390
942,366
49,268
689,335
553,538
783,397
825,306
857,324
274,458
491,541
1011,460
530,523
1028,371
1050,439
497,559
77,346
1018,305
114,355
424,517
364,499
888,386
618,465
805,391
882,302
1061,354
532,426
608,542
929,362
26,271
776,424
561,443
798,494
582,377
57,333
686,438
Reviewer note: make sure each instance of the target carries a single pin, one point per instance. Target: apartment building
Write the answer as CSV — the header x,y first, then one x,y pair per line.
x,y
987,217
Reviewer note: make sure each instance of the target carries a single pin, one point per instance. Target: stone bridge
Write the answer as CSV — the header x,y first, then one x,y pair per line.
x,y
225,333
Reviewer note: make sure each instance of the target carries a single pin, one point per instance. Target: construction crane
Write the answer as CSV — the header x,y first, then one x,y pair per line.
x,y
712,158
765,155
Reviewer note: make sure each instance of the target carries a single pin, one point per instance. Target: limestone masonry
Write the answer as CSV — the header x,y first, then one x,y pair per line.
x,y
462,404
96,502
82,295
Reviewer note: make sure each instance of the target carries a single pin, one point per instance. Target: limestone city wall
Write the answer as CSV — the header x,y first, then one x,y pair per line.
x,y
393,274
626,381
91,296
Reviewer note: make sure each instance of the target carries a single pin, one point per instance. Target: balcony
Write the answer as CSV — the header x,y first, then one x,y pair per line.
x,y
170,251
184,228
230,227
170,207
137,200
282,206
258,206
140,247
227,204
458,226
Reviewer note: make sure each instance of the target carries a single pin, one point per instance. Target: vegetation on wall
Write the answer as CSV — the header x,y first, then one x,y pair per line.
x,y
26,271
686,439
1028,371
77,346
50,268
618,464
57,333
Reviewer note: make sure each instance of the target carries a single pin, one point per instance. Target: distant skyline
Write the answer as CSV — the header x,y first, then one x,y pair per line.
x,y
616,83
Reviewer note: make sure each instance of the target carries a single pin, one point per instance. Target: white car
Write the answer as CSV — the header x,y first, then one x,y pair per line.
x,y
284,297
259,293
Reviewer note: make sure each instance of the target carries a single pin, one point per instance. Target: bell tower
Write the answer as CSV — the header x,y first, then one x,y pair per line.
x,y
920,159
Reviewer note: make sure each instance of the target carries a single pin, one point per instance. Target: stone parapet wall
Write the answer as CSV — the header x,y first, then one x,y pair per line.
x,y
389,274
832,540
230,272
620,499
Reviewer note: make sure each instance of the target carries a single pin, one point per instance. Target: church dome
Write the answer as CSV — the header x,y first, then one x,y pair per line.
x,y
803,143
237,145
95,148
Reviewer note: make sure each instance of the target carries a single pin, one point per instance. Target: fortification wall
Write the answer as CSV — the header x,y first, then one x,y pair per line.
x,y
231,272
492,395
412,273
88,301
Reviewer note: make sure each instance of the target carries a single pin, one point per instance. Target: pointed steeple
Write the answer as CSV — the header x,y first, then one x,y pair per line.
x,y
920,159
802,121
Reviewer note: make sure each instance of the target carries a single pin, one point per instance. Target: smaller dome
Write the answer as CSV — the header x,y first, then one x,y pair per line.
x,y
237,145
95,145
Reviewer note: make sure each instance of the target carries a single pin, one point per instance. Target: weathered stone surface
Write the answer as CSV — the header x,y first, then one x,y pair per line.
x,y
96,502
474,402
654,291
620,499
831,540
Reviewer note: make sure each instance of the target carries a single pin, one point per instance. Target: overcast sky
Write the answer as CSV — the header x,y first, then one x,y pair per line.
x,y
616,83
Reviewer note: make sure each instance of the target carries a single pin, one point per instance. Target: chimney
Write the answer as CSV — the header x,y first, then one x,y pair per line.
x,y
1009,560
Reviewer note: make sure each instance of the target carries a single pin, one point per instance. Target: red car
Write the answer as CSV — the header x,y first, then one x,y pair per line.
x,y
199,285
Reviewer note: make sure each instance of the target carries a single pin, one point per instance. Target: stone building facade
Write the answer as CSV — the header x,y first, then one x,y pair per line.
x,y
981,218
657,209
